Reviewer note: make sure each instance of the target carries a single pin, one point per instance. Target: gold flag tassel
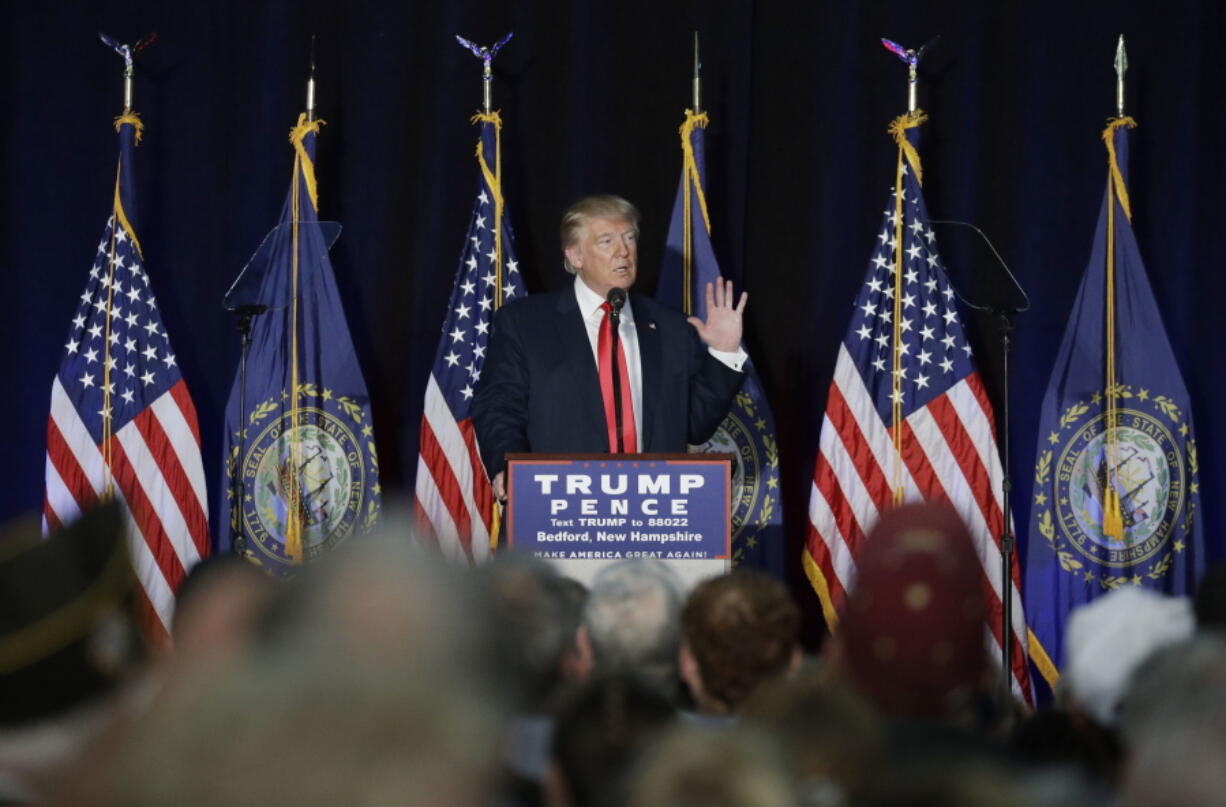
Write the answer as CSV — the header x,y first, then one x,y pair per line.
x,y
119,219
906,151
304,169
1113,515
493,178
691,179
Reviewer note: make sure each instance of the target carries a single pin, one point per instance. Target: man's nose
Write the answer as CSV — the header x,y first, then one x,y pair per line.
x,y
623,248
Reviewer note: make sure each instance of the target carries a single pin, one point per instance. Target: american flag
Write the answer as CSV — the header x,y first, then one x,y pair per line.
x,y
948,445
122,422
454,500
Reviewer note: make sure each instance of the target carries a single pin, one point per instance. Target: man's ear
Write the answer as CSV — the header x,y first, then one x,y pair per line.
x,y
574,256
688,668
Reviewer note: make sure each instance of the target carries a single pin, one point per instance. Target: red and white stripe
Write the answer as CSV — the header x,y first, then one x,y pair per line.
x,y
454,499
156,471
949,454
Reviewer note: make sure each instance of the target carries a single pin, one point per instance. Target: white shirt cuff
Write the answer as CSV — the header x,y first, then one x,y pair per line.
x,y
732,359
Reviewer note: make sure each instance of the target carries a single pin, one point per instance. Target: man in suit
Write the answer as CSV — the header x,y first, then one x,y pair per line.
x,y
552,376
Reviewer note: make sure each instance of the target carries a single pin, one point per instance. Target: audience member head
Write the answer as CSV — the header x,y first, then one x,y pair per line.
x,y
696,767
1173,718
600,734
1210,600
911,634
737,630
533,622
832,739
218,608
1105,640
632,621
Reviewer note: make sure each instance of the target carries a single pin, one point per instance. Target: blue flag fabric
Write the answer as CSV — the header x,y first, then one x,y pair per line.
x,y
305,456
1148,458
749,429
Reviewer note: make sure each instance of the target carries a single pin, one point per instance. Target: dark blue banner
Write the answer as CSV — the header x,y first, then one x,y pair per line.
x,y
1115,500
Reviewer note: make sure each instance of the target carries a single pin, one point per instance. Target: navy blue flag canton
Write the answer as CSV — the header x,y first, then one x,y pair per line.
x,y
749,429
1128,439
303,467
934,351
140,365
453,493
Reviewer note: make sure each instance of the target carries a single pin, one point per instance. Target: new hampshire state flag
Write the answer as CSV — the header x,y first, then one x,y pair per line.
x,y
749,429
301,473
1115,499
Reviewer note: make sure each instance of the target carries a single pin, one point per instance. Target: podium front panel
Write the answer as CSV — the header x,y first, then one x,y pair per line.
x,y
582,512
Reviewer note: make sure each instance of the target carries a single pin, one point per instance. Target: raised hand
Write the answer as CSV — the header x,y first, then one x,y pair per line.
x,y
722,330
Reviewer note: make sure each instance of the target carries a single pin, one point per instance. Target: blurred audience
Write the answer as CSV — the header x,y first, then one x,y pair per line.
x,y
832,740
1173,719
737,631
632,622
693,767
1107,638
911,636
72,661
601,733
384,676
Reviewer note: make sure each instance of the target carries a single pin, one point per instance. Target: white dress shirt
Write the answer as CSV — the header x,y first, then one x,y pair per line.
x,y
590,307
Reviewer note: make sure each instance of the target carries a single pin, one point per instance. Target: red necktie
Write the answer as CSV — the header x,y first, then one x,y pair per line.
x,y
604,348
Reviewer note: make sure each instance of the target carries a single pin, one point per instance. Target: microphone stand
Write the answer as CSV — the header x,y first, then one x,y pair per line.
x,y
1004,315
246,313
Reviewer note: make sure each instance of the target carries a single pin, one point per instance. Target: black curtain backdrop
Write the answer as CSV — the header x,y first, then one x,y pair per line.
x,y
799,167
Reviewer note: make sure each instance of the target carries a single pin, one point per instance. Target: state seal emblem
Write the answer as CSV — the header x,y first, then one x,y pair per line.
x,y
1147,468
315,458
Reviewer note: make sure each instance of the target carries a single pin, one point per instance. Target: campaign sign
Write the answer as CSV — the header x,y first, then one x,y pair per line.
x,y
609,507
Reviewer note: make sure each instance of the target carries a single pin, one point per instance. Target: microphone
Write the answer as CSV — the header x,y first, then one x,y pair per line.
x,y
616,299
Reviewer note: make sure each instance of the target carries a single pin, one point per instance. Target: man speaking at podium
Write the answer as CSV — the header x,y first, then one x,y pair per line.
x,y
592,369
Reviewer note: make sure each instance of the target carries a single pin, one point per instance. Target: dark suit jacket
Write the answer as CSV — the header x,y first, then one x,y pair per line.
x,y
539,390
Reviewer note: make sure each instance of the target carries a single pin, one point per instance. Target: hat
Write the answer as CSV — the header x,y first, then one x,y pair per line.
x,y
67,622
1106,639
913,627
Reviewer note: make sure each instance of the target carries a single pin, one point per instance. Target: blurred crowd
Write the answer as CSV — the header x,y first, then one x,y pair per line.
x,y
385,676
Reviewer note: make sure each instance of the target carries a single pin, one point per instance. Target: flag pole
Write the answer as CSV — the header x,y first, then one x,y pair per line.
x,y
493,177
1113,517
697,79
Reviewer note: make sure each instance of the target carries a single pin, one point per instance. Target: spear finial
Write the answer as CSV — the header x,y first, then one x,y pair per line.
x,y
486,55
697,78
310,95
1121,65
128,52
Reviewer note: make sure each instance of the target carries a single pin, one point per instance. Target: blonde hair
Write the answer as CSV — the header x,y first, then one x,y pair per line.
x,y
604,206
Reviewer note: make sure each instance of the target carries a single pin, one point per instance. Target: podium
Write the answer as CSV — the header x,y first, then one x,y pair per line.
x,y
582,512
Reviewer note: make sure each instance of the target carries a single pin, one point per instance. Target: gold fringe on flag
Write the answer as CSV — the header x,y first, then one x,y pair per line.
x,y
691,182
906,151
1113,515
